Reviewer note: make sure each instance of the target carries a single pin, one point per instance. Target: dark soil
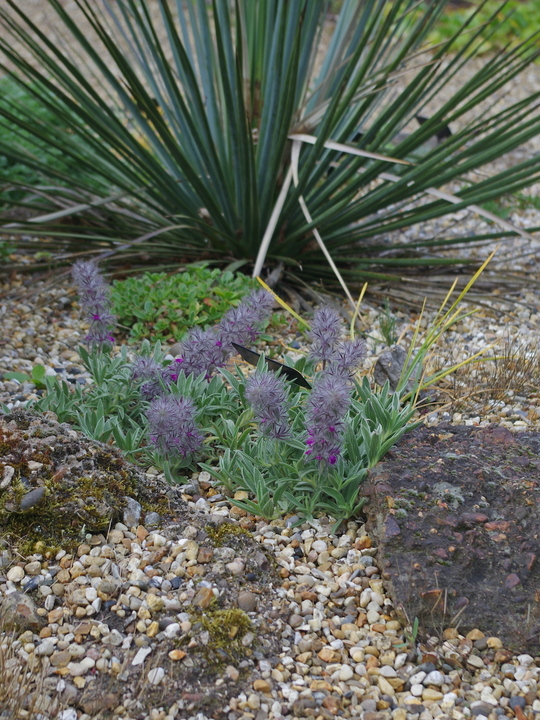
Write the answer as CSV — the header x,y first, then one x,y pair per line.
x,y
455,510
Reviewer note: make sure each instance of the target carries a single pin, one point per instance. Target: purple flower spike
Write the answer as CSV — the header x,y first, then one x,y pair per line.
x,y
172,427
240,324
347,357
201,352
324,335
94,300
325,413
268,395
146,368
206,350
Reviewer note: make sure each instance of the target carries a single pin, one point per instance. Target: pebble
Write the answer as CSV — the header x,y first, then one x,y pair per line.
x,y
15,574
247,601
156,675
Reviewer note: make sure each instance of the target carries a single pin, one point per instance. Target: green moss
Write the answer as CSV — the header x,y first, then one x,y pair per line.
x,y
218,533
5,448
161,505
226,628
53,527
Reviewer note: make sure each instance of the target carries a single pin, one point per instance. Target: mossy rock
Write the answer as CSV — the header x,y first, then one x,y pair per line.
x,y
60,486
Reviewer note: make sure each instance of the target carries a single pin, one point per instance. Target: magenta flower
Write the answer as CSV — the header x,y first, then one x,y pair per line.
x,y
201,352
146,368
241,324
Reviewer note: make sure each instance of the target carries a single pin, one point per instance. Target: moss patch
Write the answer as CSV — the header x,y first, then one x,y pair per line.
x,y
73,504
218,533
226,627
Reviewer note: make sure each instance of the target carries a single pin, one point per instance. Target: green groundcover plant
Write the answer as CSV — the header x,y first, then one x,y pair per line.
x,y
515,20
260,130
166,306
301,448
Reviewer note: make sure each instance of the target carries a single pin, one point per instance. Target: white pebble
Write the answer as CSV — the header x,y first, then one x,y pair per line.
x,y
140,656
156,675
400,660
46,647
172,630
417,690
345,673
91,594
15,574
434,678
365,598
49,602
68,714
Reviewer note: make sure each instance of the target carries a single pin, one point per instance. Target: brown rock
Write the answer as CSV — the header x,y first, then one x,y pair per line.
x,y
203,598
63,576
450,633
177,654
475,634
363,543
205,554
232,673
327,654
142,533
332,703
261,685
60,658
107,701
512,581
318,685
18,610
502,656
371,662
501,525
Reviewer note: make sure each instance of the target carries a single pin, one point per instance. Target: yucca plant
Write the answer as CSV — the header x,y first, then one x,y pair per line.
x,y
257,130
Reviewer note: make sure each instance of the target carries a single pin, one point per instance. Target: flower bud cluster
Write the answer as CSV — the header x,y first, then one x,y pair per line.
x,y
330,398
94,300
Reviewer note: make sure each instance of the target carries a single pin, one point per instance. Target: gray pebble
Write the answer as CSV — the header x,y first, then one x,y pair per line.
x,y
132,512
481,709
247,601
32,498
152,519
